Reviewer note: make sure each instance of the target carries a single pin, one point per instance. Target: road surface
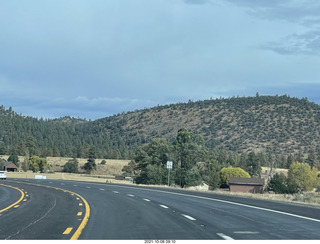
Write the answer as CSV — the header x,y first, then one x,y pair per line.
x,y
55,209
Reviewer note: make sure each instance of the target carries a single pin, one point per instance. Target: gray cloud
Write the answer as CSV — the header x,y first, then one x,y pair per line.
x,y
302,12
297,44
304,15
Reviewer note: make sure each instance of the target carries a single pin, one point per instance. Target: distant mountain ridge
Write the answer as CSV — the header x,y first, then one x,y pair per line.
x,y
275,124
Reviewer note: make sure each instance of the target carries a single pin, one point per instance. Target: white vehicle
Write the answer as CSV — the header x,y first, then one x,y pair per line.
x,y
3,175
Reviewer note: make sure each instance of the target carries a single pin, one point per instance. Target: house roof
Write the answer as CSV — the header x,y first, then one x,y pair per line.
x,y
10,164
246,181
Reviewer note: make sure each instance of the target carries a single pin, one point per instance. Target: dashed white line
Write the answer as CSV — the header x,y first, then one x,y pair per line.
x,y
130,195
75,185
246,232
163,206
88,187
147,200
101,189
115,192
233,203
224,236
188,217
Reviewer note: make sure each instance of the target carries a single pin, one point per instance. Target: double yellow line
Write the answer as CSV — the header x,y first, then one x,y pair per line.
x,y
17,202
85,218
84,221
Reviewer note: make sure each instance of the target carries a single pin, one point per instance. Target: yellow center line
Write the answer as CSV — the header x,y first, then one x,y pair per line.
x,y
84,221
67,231
14,204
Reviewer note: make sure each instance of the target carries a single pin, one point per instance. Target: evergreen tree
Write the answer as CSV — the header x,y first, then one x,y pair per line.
x,y
25,163
31,145
290,160
151,161
38,164
90,165
279,184
14,158
71,166
312,160
3,150
190,149
253,166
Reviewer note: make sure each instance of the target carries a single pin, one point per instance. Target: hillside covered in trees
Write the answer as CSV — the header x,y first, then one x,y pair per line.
x,y
278,125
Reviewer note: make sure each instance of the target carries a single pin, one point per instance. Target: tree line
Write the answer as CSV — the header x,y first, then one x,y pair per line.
x,y
277,125
194,163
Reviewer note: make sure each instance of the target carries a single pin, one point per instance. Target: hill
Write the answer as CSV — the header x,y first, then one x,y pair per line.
x,y
274,124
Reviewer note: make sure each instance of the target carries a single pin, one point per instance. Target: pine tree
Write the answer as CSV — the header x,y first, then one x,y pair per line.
x,y
91,163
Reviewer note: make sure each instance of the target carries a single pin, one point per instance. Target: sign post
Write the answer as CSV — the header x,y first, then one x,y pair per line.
x,y
169,167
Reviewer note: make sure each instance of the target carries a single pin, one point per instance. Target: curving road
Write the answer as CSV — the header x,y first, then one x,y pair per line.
x,y
52,209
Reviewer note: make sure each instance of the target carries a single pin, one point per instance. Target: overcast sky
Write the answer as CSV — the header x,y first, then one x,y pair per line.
x,y
92,59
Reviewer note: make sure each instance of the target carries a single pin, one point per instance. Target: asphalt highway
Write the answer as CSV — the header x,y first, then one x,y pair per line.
x,y
55,209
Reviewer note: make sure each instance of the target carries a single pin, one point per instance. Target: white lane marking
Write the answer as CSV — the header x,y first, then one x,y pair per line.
x,y
246,232
101,189
188,217
88,187
75,185
115,192
163,206
229,202
130,195
224,236
147,200
34,222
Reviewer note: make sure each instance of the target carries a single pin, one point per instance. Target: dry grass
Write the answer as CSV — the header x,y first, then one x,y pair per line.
x,y
309,198
265,171
112,166
67,176
103,173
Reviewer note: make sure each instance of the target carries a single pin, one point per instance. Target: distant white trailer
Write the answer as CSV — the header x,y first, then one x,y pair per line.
x,y
40,177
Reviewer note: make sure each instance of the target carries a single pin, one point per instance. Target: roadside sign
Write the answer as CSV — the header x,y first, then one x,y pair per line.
x,y
169,167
